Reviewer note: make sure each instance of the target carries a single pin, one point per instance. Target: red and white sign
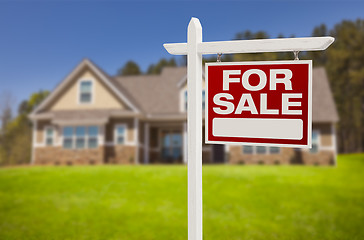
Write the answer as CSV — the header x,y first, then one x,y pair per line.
x,y
259,103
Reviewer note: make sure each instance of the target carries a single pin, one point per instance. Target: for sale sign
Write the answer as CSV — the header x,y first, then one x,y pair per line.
x,y
259,103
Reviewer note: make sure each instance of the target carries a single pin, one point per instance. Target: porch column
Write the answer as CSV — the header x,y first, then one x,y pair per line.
x,y
136,140
34,139
146,143
184,144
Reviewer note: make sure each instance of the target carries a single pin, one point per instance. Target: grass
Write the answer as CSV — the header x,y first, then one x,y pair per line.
x,y
150,202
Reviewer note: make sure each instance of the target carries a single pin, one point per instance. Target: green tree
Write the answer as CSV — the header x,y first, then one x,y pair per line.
x,y
130,68
15,139
345,66
157,68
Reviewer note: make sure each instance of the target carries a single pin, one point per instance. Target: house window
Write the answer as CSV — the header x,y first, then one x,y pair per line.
x,y
93,133
248,149
80,137
185,100
49,136
261,149
68,137
85,91
120,134
315,142
203,100
274,150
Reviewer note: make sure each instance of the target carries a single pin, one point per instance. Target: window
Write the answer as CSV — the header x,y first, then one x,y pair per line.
x,y
261,149
120,134
248,149
85,91
68,137
49,136
185,100
203,100
315,142
274,150
80,137
93,132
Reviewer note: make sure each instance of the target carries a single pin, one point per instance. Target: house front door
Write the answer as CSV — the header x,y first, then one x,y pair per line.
x,y
171,147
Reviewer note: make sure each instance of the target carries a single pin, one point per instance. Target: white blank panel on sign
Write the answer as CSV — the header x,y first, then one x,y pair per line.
x,y
258,128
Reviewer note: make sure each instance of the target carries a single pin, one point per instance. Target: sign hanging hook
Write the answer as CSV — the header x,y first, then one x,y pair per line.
x,y
296,55
219,57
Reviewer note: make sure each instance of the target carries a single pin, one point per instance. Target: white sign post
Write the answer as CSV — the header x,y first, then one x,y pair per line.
x,y
194,48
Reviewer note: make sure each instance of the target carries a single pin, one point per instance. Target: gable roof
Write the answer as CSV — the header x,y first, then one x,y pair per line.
x,y
159,95
86,63
323,104
155,94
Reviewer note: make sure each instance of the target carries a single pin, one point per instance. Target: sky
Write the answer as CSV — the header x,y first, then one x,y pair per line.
x,y
42,41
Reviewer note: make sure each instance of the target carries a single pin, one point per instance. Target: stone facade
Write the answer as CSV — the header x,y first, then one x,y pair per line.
x,y
60,156
120,154
286,156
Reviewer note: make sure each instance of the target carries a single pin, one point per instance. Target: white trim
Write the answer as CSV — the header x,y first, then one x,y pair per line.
x,y
184,80
136,140
182,100
45,136
333,142
34,140
309,117
126,141
146,143
319,147
184,144
71,76
92,101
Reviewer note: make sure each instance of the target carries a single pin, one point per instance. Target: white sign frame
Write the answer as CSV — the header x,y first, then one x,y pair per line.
x,y
194,48
309,127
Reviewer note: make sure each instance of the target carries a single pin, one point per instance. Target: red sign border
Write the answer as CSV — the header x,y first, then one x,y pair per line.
x,y
309,115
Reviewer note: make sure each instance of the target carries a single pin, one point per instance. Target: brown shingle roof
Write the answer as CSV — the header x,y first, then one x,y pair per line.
x,y
159,94
154,94
323,105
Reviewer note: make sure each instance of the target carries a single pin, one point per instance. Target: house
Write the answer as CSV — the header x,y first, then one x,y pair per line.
x,y
94,118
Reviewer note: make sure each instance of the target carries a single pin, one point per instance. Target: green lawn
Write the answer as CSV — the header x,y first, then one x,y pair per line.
x,y
150,202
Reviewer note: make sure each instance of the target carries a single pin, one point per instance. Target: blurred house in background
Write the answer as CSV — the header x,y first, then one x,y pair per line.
x,y
93,118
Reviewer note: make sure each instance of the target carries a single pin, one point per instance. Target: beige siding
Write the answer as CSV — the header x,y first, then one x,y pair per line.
x,y
110,128
40,131
325,133
102,97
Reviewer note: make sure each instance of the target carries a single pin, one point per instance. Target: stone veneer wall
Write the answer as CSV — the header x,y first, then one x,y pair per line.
x,y
120,154
236,156
323,157
286,156
60,156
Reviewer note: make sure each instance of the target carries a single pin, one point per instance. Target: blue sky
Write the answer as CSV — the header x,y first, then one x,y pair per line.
x,y
41,42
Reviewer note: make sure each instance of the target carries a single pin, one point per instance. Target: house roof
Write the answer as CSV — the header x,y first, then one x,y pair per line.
x,y
158,96
155,94
323,104
85,63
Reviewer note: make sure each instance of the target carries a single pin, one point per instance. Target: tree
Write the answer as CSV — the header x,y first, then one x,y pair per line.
x,y
157,68
130,68
345,66
6,104
16,138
